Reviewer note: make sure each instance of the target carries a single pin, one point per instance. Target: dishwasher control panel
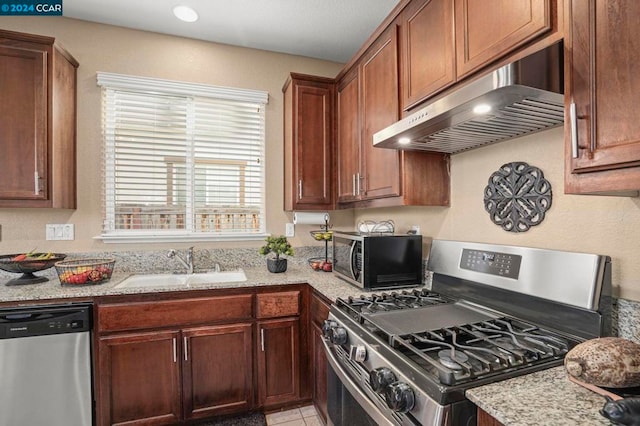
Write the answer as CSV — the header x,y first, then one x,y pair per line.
x,y
44,320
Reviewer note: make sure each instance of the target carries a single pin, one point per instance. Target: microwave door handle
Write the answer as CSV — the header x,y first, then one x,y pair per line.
x,y
358,394
351,259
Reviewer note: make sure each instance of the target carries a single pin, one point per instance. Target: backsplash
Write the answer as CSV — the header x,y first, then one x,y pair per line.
x,y
626,319
204,260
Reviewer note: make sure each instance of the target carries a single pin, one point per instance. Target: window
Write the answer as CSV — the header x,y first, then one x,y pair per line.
x,y
182,161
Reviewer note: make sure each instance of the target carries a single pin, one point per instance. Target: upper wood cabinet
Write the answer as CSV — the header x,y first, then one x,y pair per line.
x,y
487,30
379,174
348,137
445,41
603,136
368,101
308,136
37,122
427,50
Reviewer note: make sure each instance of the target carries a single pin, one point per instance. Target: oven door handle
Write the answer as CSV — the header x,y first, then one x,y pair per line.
x,y
370,408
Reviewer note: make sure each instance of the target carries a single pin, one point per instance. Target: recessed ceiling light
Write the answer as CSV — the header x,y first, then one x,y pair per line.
x,y
185,13
482,109
404,141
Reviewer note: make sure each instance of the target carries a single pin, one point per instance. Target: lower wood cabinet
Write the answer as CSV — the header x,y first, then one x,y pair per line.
x,y
278,361
162,377
178,358
485,419
319,312
140,379
217,370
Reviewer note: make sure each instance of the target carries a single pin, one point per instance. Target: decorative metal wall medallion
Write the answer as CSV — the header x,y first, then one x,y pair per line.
x,y
517,196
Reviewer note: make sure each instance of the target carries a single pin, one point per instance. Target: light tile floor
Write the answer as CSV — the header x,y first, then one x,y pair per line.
x,y
305,416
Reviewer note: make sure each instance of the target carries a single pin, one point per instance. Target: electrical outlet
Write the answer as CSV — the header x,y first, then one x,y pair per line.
x,y
289,230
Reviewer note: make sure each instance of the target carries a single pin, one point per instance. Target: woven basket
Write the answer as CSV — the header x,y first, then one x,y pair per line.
x,y
84,271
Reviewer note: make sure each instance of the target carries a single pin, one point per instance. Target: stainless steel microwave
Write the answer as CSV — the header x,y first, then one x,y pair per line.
x,y
378,261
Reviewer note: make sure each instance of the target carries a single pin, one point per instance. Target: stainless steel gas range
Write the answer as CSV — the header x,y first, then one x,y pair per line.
x,y
493,312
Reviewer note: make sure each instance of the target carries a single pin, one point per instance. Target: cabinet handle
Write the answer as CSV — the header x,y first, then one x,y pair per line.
x,y
354,184
300,189
36,182
186,348
358,183
262,339
574,129
175,350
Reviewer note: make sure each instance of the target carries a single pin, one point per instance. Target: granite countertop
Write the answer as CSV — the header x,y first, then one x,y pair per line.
x,y
327,284
542,398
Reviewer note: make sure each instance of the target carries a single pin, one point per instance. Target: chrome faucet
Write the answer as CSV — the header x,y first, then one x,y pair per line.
x,y
187,262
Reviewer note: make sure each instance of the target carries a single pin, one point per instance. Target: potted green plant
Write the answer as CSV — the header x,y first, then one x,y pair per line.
x,y
278,246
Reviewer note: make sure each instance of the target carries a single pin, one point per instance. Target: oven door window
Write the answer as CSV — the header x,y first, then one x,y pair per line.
x,y
342,408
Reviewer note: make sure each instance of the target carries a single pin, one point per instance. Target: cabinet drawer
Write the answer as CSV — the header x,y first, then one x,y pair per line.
x,y
319,310
282,304
138,315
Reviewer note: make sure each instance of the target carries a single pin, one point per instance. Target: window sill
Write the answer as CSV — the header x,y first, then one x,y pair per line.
x,y
168,238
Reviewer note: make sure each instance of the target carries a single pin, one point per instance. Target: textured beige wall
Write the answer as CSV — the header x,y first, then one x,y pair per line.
x,y
113,49
582,223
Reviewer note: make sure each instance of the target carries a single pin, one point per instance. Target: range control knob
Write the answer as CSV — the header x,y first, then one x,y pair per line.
x,y
338,335
327,326
380,378
400,397
357,353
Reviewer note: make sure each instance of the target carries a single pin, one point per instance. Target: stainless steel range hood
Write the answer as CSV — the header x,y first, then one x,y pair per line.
x,y
524,97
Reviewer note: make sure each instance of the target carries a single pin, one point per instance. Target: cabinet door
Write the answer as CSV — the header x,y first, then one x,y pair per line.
x,y
379,87
605,64
489,29
319,360
278,361
427,50
348,150
139,379
319,313
308,128
23,121
217,369
485,419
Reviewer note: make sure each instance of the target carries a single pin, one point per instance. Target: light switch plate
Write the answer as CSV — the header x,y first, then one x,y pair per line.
x,y
55,232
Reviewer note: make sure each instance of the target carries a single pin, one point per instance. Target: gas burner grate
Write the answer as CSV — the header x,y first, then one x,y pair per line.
x,y
463,353
386,302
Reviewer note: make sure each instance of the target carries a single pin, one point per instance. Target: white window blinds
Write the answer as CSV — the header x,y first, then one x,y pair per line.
x,y
182,161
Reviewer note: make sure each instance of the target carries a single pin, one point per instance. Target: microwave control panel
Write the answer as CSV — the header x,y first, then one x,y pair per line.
x,y
489,262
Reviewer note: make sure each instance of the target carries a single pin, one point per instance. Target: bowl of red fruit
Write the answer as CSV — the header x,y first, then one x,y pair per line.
x,y
321,264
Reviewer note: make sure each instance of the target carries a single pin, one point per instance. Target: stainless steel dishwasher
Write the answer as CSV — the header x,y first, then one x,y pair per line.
x,y
45,366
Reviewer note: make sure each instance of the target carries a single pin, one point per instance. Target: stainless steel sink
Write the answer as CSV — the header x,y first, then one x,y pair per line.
x,y
181,280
